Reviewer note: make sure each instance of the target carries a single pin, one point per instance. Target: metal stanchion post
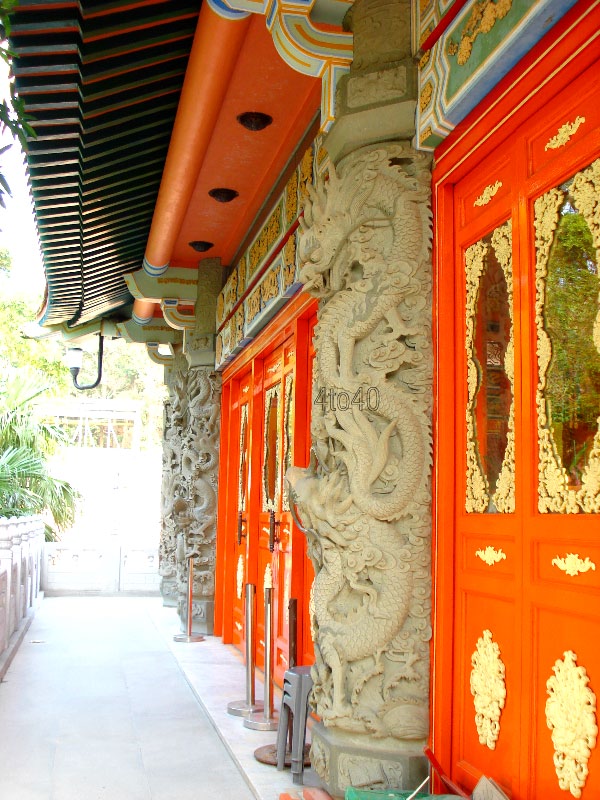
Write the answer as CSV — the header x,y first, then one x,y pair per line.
x,y
268,720
189,636
241,708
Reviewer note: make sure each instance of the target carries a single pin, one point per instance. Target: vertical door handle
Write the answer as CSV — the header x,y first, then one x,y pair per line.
x,y
240,535
272,525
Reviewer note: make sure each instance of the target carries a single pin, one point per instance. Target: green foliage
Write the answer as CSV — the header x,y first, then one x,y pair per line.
x,y
129,374
573,378
12,110
26,486
45,356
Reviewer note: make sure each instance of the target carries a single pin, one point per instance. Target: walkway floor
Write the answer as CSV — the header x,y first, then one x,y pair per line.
x,y
101,704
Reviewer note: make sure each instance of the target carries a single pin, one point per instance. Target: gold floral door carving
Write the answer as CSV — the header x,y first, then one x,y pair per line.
x,y
567,223
489,343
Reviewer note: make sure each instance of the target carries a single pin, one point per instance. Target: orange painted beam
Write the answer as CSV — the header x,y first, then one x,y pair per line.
x,y
214,53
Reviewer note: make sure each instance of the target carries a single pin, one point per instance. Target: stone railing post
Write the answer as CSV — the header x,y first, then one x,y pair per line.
x,y
6,560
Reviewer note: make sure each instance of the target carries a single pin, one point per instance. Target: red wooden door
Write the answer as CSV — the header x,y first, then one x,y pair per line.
x,y
517,642
268,398
240,521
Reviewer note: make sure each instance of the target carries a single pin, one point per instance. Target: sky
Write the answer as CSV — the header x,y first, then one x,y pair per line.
x,y
18,232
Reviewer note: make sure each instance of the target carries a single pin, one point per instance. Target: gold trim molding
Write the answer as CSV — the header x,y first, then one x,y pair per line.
x,y
572,564
488,688
478,491
564,134
571,716
268,578
554,495
239,577
484,15
488,193
490,556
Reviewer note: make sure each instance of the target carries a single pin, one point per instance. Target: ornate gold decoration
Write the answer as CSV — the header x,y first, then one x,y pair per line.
x,y
564,134
477,497
239,577
291,198
245,388
426,134
239,626
572,564
487,194
288,434
490,555
252,303
571,716
483,17
289,262
268,578
286,598
272,395
269,288
553,492
243,455
488,689
426,95
266,239
478,490
274,368
306,173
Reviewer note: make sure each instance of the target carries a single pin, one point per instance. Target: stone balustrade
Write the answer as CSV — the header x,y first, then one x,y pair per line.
x,y
21,548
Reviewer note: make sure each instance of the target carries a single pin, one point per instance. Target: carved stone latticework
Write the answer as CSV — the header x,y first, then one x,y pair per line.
x,y
365,501
488,689
554,494
190,462
571,716
478,494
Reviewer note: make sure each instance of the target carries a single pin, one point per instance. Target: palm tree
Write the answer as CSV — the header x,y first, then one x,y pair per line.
x,y
26,485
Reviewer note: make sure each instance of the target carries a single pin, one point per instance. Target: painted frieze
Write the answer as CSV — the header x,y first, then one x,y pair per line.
x,y
267,274
468,59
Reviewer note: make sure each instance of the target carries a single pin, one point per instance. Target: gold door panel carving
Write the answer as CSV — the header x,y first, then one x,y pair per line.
x,y
489,345
567,224
571,716
271,454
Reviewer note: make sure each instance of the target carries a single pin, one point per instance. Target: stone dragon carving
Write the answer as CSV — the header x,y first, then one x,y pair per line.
x,y
364,502
190,462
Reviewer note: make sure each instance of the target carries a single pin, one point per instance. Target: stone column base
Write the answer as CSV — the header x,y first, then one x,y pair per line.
x,y
203,612
169,592
343,759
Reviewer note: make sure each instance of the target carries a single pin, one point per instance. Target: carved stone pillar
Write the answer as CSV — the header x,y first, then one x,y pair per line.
x,y
366,500
199,469
190,462
173,490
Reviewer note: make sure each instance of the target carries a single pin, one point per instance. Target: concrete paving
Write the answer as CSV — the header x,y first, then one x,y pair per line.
x,y
99,703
